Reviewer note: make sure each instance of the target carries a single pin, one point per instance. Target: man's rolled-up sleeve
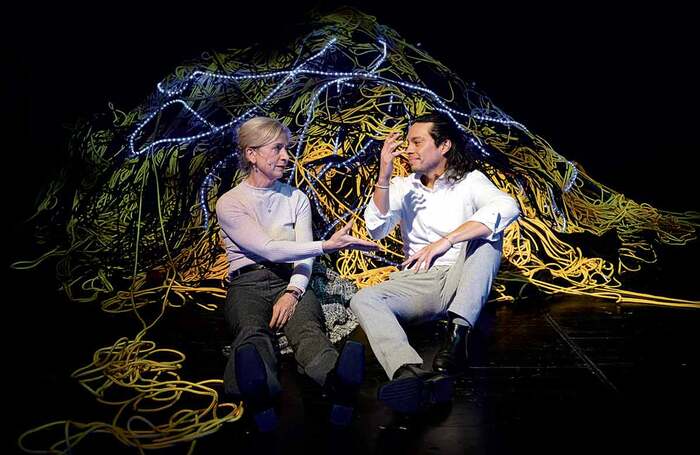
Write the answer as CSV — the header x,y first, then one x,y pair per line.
x,y
380,225
495,209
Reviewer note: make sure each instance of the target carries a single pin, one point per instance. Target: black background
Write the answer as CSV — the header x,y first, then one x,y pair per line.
x,y
612,88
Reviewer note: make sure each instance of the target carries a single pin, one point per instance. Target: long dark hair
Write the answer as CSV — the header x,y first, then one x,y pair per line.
x,y
462,156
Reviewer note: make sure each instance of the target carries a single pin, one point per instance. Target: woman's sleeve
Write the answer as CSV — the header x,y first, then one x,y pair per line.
x,y
244,230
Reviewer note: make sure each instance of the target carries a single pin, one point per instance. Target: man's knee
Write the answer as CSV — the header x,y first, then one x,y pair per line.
x,y
362,299
487,250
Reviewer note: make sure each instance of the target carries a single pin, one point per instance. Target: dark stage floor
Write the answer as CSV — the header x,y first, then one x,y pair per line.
x,y
557,375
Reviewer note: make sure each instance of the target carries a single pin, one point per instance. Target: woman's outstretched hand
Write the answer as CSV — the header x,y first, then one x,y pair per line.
x,y
343,240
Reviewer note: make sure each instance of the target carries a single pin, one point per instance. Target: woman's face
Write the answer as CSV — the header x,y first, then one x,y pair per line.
x,y
271,159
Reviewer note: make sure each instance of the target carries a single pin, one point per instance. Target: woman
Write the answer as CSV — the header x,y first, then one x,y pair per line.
x,y
266,229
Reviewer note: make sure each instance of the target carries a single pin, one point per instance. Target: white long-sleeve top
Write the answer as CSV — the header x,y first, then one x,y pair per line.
x,y
268,224
425,214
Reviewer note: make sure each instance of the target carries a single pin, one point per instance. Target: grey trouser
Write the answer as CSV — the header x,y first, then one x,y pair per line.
x,y
248,311
408,297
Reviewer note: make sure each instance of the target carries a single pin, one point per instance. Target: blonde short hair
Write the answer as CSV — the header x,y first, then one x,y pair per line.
x,y
257,132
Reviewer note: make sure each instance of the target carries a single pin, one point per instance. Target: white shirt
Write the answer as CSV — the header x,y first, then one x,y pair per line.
x,y
428,214
268,224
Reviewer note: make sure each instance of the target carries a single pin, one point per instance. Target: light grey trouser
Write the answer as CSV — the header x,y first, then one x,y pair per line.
x,y
408,297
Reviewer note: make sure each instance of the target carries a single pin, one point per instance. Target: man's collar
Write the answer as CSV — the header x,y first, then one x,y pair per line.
x,y
440,181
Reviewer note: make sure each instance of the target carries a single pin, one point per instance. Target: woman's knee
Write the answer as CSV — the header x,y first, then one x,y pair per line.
x,y
304,326
248,332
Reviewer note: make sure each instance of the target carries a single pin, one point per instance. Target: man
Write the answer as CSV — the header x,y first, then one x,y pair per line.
x,y
452,218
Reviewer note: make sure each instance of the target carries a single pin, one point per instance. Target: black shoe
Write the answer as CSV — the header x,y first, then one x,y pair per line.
x,y
452,356
252,383
344,381
414,389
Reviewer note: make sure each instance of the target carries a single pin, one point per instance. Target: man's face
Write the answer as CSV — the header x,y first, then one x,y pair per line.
x,y
424,155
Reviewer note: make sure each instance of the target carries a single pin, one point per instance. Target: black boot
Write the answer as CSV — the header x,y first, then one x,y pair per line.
x,y
344,381
252,382
452,356
413,389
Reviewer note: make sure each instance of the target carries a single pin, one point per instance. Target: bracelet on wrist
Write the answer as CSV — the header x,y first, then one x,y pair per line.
x,y
448,239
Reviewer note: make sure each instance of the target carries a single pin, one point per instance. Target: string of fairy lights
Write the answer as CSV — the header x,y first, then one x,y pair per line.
x,y
338,78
